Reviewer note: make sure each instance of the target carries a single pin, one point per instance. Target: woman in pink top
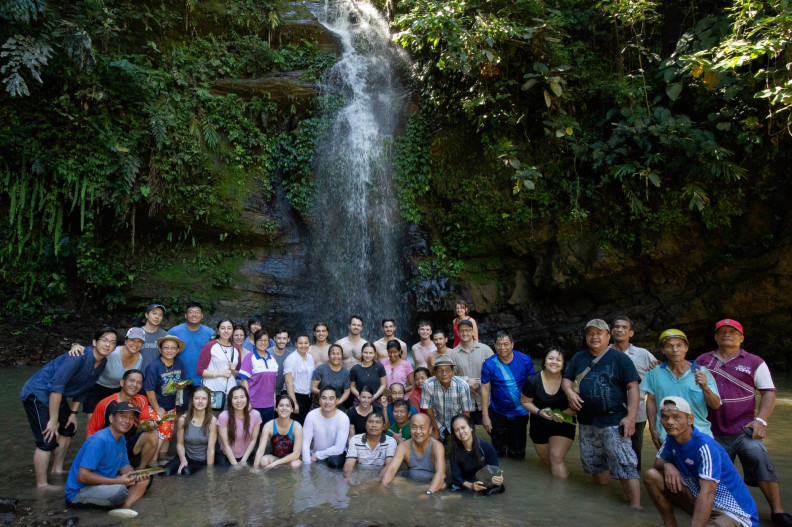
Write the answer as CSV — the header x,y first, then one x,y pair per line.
x,y
396,368
238,427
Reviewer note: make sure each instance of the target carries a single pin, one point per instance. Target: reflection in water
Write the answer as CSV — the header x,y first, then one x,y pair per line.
x,y
316,495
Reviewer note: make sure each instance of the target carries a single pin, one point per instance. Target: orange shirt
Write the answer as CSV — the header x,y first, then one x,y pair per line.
x,y
100,417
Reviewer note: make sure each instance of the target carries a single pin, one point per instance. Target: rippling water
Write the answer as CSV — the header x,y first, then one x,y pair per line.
x,y
316,495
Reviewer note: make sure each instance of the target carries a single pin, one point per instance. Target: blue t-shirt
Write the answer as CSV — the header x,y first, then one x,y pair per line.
x,y
193,343
68,375
604,388
158,376
506,382
703,458
103,454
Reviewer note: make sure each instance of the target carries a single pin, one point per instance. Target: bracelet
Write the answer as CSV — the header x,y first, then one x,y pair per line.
x,y
760,420
75,412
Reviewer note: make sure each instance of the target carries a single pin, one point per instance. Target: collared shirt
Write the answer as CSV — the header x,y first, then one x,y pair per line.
x,y
71,376
301,370
642,359
737,379
446,403
467,364
662,383
359,449
261,374
703,458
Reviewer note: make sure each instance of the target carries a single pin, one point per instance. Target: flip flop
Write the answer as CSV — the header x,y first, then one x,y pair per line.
x,y
123,513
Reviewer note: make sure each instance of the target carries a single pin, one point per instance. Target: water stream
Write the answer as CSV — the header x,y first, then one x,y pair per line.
x,y
355,263
316,495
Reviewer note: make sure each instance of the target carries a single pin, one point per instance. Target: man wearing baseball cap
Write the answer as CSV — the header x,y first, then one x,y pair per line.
x,y
601,385
735,426
695,473
101,474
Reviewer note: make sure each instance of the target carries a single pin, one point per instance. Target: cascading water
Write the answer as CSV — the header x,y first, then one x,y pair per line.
x,y
355,251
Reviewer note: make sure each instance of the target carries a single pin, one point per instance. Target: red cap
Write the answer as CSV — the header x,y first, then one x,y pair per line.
x,y
729,322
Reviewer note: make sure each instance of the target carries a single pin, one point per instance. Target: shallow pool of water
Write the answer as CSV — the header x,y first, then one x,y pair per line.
x,y
316,495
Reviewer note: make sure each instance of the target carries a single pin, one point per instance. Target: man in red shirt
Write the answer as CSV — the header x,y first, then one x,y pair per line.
x,y
141,440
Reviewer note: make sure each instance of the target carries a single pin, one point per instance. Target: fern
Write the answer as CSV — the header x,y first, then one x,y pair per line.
x,y
23,10
23,51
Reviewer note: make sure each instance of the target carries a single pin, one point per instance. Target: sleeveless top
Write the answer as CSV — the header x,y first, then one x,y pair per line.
x,y
421,467
195,442
282,444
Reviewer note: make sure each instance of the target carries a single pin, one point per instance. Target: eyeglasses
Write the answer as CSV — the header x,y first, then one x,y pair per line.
x,y
107,341
444,371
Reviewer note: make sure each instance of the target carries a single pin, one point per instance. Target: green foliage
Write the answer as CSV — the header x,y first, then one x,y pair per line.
x,y
412,167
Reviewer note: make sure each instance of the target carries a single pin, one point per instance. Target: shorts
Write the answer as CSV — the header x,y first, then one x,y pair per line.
x,y
605,449
165,431
94,396
38,416
543,429
109,496
753,455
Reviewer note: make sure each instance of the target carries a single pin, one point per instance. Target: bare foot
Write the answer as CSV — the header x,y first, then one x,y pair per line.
x,y
57,472
49,488
636,507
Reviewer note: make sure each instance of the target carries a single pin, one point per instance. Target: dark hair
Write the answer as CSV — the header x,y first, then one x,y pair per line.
x,y
503,335
384,320
353,317
328,387
624,318
365,388
439,331
423,323
368,345
331,349
421,369
130,372
260,333
217,326
103,331
239,326
457,449
284,396
398,403
255,319
375,413
281,330
394,344
564,356
323,325
300,335
191,410
194,304
464,304
232,416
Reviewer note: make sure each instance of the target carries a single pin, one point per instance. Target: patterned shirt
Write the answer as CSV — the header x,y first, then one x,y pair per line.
x,y
703,458
737,379
446,403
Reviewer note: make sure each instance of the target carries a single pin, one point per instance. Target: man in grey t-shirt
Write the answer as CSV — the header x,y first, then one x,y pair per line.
x,y
150,350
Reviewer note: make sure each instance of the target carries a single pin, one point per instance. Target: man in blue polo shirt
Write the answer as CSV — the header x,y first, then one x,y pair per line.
x,y
502,379
101,475
195,335
51,419
695,473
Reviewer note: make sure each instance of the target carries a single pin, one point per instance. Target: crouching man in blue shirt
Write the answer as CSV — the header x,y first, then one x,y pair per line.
x,y
101,475
695,473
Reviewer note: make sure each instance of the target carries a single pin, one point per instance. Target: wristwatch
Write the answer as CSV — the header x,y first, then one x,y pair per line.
x,y
75,412
428,492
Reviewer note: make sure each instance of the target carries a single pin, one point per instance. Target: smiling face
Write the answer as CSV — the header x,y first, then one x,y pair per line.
x,y
327,400
334,355
194,316
303,344
105,344
132,384
400,414
465,333
239,337
425,332
262,344
554,362
284,408
169,349
133,345
504,347
123,421
224,330
320,334
200,400
366,399
397,392
420,379
281,339
394,354
597,339
368,354
444,374
728,337
355,326
420,428
389,328
462,430
255,326
461,310
239,400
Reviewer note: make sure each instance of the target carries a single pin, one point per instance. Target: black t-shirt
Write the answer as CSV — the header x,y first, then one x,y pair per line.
x,y
534,389
368,377
357,420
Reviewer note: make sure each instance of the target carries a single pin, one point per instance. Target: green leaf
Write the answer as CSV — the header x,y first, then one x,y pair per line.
x,y
673,90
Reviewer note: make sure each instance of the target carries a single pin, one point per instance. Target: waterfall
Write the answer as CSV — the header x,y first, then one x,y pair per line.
x,y
355,254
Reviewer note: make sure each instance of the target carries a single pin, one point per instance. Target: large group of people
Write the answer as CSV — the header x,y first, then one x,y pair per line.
x,y
240,396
